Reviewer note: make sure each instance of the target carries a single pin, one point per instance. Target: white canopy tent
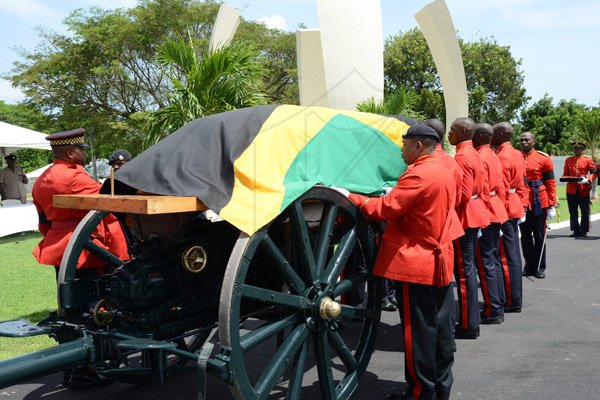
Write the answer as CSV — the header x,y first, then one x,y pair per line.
x,y
14,137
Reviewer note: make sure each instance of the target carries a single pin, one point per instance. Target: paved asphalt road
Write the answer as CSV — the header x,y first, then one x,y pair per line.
x,y
549,351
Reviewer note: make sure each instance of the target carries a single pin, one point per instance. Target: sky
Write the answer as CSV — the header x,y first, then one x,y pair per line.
x,y
557,41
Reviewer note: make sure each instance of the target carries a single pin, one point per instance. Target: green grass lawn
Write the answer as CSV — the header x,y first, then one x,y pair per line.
x,y
27,290
563,209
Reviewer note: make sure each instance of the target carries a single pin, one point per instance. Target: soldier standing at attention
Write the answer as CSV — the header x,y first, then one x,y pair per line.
x,y
539,170
67,176
473,213
578,193
416,252
515,200
488,260
13,181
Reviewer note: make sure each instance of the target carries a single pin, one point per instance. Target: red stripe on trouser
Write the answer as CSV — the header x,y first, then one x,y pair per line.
x,y
462,283
408,342
506,274
485,291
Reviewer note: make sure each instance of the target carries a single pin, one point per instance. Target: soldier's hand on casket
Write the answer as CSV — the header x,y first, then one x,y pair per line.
x,y
584,180
212,216
551,213
343,191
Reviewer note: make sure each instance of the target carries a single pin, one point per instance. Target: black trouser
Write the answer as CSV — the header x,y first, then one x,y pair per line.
x,y
490,271
465,274
510,254
575,202
428,356
533,232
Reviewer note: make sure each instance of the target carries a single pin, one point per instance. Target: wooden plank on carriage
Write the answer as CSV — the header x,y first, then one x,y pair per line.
x,y
140,204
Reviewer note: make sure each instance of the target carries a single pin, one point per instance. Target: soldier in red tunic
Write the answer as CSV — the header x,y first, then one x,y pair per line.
x,y
516,198
473,213
67,176
578,193
416,252
488,260
539,170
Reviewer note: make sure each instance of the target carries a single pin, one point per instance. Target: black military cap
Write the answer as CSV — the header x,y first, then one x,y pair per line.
x,y
10,157
421,131
119,155
578,144
68,138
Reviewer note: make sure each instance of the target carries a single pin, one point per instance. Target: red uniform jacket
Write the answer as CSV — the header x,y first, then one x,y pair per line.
x,y
472,208
539,168
57,224
580,166
513,174
451,164
493,169
416,211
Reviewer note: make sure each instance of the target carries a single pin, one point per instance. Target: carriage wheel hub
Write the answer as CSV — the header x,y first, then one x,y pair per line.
x,y
329,308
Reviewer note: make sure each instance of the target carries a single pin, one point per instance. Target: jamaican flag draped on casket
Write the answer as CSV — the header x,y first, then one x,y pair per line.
x,y
248,165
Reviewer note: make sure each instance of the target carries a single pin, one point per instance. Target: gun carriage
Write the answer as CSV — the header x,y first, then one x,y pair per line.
x,y
275,297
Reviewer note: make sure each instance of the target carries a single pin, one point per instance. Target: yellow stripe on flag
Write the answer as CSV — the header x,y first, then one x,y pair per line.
x,y
258,189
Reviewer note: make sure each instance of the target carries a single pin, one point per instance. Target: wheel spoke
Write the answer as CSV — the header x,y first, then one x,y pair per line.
x,y
297,372
267,330
356,312
343,351
347,284
340,257
277,366
103,254
323,358
273,297
301,238
325,233
283,266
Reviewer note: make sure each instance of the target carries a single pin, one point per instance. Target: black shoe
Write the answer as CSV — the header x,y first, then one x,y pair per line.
x,y
387,305
527,273
492,320
470,333
514,309
575,234
583,234
540,275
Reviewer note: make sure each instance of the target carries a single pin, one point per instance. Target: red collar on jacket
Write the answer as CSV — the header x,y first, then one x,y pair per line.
x,y
465,144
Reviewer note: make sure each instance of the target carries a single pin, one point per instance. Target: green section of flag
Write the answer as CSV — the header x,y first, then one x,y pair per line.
x,y
345,153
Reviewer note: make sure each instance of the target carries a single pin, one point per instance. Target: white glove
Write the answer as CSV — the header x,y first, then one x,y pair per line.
x,y
479,233
387,190
585,180
551,213
522,219
212,216
343,191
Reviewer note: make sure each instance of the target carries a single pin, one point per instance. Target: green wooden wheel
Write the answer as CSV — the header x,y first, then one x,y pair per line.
x,y
281,292
80,240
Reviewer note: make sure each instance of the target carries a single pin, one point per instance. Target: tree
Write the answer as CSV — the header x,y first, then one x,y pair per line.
x,y
399,102
104,75
494,78
553,126
221,80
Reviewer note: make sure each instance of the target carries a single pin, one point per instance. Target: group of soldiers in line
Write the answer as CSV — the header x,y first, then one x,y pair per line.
x,y
458,218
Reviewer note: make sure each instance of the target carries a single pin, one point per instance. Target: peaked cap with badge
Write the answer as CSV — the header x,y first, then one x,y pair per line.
x,y
74,137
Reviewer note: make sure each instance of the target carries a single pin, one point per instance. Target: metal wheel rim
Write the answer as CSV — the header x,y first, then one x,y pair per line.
x,y
297,341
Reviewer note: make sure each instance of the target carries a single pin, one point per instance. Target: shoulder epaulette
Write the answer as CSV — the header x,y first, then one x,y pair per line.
x,y
542,153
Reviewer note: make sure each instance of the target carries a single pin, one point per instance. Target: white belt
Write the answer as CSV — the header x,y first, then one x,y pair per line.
x,y
512,190
474,196
493,193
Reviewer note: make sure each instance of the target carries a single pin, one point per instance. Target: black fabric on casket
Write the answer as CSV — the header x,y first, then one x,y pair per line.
x,y
196,160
